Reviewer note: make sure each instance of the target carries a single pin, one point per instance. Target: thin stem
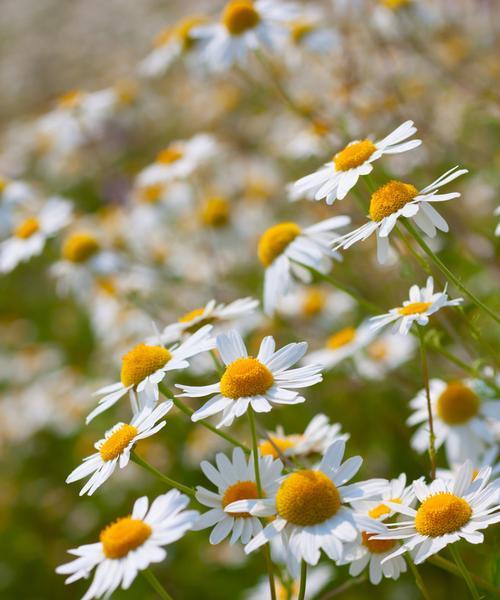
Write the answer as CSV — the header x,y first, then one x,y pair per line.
x,y
425,374
343,587
465,573
155,584
303,578
171,482
418,579
446,565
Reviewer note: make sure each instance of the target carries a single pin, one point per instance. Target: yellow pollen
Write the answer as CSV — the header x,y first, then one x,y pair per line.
x,y
142,361
414,308
354,155
307,498
70,99
245,377
442,513
390,198
376,546
382,509
79,247
183,30
241,490
169,155
123,536
150,194
314,302
27,228
269,449
457,404
378,350
275,240
197,312
215,212
117,442
240,16
341,338
299,30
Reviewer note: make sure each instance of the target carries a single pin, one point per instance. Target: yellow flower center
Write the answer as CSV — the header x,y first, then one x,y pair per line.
x,y
150,194
457,404
117,442
307,498
79,247
377,351
3,183
376,546
169,155
395,4
442,513
197,312
245,377
341,338
123,536
299,30
215,212
241,490
183,30
240,16
27,228
414,308
271,449
354,155
142,361
70,99
275,240
390,198
314,302
382,509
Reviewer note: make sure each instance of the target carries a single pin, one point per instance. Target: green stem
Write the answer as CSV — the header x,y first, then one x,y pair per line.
x,y
155,584
446,565
465,573
347,585
303,578
171,482
425,375
418,578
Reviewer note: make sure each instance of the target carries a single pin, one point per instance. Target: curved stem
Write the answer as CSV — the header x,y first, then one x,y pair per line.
x,y
425,374
418,578
155,584
465,573
170,482
303,579
446,565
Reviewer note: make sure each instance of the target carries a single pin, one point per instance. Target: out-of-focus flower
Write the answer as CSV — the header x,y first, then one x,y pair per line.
x,y
384,354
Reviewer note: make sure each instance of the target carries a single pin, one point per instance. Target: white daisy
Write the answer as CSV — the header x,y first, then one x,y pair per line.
x,y
130,544
235,480
449,511
253,382
309,32
384,354
30,235
285,247
488,458
311,510
423,303
463,414
335,178
398,199
145,366
116,446
317,578
315,301
12,193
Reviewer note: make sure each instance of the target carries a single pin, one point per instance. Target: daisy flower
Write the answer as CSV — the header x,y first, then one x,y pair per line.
x,y
235,480
311,509
423,303
399,199
12,193
145,366
309,32
335,178
463,414
314,301
253,382
116,446
488,458
449,510
286,249
29,236
384,354
130,544
244,27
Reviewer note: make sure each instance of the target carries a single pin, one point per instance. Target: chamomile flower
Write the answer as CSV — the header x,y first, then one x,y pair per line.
x,y
449,510
253,382
399,199
422,304
311,509
384,354
309,32
497,228
463,414
286,250
116,446
145,366
130,544
335,178
30,234
235,480
316,302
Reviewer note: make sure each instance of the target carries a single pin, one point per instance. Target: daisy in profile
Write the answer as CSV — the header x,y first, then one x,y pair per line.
x,y
384,354
399,199
449,510
256,382
116,446
130,544
311,510
335,178
463,412
235,480
30,235
145,366
286,250
423,303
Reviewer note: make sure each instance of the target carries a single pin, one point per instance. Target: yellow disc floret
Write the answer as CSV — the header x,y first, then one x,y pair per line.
x,y
414,308
123,536
79,247
307,498
117,442
27,228
376,546
354,155
240,16
275,446
314,302
382,509
192,314
341,338
215,212
457,404
442,513
390,198
169,155
142,361
245,377
300,29
150,194
241,490
184,28
274,241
